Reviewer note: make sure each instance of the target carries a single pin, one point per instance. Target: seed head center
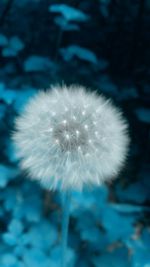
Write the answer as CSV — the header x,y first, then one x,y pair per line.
x,y
70,135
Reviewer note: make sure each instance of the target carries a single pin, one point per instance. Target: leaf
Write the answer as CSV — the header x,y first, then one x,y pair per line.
x,y
7,95
136,192
117,226
10,239
6,174
89,199
104,5
68,12
43,235
143,114
9,260
35,257
13,236
15,45
82,53
129,208
64,25
97,240
22,98
2,110
2,86
11,151
70,256
116,258
140,250
9,52
15,227
28,202
107,86
102,64
128,94
30,209
37,63
3,40
10,198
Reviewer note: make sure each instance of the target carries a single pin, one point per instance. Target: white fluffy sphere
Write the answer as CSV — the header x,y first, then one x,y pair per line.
x,y
67,138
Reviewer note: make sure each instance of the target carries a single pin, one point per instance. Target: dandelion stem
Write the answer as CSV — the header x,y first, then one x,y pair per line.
x,y
66,197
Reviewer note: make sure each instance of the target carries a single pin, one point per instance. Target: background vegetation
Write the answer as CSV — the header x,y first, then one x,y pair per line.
x,y
103,45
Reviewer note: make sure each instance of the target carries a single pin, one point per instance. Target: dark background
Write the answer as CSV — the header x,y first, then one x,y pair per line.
x,y
104,45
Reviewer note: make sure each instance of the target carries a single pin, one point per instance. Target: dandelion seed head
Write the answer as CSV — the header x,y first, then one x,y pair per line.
x,y
70,138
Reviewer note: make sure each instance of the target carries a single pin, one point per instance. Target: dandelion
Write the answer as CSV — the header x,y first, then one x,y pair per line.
x,y
69,138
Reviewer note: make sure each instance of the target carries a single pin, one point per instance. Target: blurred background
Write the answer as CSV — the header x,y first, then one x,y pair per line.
x,y
104,45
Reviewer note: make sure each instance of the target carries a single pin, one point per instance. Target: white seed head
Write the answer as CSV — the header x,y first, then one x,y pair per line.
x,y
68,138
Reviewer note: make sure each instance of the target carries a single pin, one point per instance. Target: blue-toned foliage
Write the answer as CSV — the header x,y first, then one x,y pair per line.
x,y
104,7
72,51
143,114
136,193
68,12
68,17
13,47
104,45
3,40
7,174
140,249
37,63
117,257
65,25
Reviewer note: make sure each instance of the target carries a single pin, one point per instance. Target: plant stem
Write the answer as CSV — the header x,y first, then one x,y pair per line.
x,y
58,43
66,197
6,11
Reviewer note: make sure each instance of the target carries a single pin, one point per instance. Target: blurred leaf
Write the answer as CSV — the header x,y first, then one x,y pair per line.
x,y
107,86
13,236
11,151
14,46
2,110
29,208
15,227
117,225
116,258
143,114
37,63
22,98
89,199
104,7
10,239
3,40
69,13
128,93
35,257
140,248
136,193
9,260
7,95
128,208
10,198
9,52
71,51
65,25
70,256
6,174
42,235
